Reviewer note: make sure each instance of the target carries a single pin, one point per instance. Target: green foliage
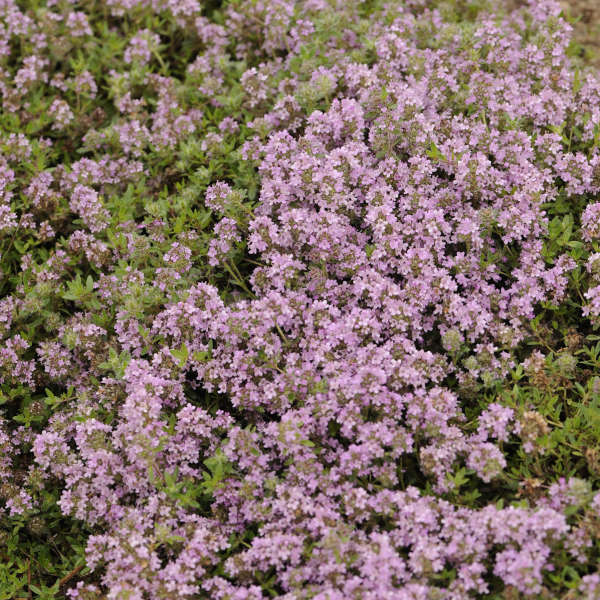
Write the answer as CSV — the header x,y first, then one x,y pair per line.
x,y
40,554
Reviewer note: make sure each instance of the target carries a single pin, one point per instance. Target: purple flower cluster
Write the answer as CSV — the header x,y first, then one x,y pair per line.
x,y
397,244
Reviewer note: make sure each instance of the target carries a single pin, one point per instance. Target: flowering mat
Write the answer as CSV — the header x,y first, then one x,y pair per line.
x,y
298,299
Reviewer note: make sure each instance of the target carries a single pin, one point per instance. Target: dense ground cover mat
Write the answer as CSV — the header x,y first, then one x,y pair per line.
x,y
298,299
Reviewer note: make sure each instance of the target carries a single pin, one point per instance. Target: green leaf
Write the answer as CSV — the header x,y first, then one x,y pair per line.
x,y
181,355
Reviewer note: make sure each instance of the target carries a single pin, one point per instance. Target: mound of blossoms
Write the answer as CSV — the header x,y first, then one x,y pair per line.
x,y
271,384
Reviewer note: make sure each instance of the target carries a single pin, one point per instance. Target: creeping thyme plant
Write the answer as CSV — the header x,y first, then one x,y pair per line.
x,y
298,299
